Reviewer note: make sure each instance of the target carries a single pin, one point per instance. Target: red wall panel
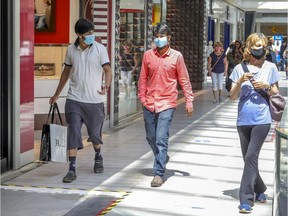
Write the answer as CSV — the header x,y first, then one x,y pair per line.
x,y
26,75
62,25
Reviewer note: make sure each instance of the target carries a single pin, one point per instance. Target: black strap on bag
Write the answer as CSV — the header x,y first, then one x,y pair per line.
x,y
54,108
260,91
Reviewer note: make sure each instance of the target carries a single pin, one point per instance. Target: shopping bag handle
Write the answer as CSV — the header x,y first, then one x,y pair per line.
x,y
54,107
58,112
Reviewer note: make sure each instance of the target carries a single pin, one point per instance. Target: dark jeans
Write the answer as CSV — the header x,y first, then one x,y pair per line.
x,y
252,138
283,62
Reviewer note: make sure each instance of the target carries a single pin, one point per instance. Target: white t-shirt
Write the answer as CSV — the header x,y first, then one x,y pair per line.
x,y
86,72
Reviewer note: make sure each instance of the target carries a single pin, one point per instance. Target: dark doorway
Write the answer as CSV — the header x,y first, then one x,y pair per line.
x,y
6,72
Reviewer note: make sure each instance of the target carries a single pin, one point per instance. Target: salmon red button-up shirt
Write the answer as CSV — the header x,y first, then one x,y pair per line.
x,y
158,80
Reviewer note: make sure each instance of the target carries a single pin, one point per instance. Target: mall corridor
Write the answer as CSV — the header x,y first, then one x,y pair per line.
x,y
202,176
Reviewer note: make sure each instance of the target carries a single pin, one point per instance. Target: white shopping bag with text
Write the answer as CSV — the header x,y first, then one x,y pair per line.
x,y
58,142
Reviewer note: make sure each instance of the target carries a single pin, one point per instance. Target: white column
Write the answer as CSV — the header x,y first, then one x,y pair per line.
x,y
258,27
217,30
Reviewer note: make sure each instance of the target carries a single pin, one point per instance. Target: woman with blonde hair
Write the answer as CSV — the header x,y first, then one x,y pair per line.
x,y
217,69
251,79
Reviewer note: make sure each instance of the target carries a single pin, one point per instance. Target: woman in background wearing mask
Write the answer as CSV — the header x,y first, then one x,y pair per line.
x,y
161,70
254,119
271,56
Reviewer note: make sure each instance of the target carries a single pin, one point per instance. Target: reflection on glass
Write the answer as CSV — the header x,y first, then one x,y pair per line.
x,y
130,58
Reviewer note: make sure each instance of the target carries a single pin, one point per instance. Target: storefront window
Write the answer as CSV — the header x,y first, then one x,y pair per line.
x,y
135,37
132,24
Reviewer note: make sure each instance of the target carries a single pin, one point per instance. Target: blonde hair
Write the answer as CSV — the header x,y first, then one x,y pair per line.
x,y
251,41
218,44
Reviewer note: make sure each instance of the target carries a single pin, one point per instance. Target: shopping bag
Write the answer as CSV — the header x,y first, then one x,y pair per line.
x,y
58,142
45,146
45,150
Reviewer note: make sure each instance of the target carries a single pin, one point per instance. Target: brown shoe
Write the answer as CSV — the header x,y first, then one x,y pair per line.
x,y
157,181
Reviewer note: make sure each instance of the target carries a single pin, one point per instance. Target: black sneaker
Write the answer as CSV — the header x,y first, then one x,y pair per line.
x,y
98,164
70,177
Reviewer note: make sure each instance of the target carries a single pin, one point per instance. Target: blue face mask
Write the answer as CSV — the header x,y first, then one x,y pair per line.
x,y
89,39
161,42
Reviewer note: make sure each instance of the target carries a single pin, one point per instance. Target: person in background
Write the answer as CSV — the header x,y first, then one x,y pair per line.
x,y
281,52
238,51
162,68
285,59
232,61
128,64
208,51
84,64
254,118
271,55
217,69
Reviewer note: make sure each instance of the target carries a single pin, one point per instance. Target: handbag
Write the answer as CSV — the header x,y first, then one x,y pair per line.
x,y
276,102
228,81
45,146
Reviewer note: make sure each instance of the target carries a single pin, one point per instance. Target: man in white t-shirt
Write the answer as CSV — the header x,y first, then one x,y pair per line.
x,y
85,62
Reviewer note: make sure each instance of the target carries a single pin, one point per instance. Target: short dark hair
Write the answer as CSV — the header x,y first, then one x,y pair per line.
x,y
161,28
83,25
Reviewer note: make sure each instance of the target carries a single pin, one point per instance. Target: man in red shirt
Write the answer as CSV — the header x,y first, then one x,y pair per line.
x,y
161,68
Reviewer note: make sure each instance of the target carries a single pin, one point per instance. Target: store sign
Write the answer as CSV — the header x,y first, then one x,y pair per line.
x,y
277,29
277,41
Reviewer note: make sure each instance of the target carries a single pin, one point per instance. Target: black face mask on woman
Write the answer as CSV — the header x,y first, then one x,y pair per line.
x,y
258,53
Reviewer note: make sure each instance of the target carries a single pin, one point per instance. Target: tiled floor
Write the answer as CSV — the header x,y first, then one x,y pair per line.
x,y
202,177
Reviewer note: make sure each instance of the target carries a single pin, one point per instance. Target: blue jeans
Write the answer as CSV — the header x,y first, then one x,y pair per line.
x,y
40,22
157,127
